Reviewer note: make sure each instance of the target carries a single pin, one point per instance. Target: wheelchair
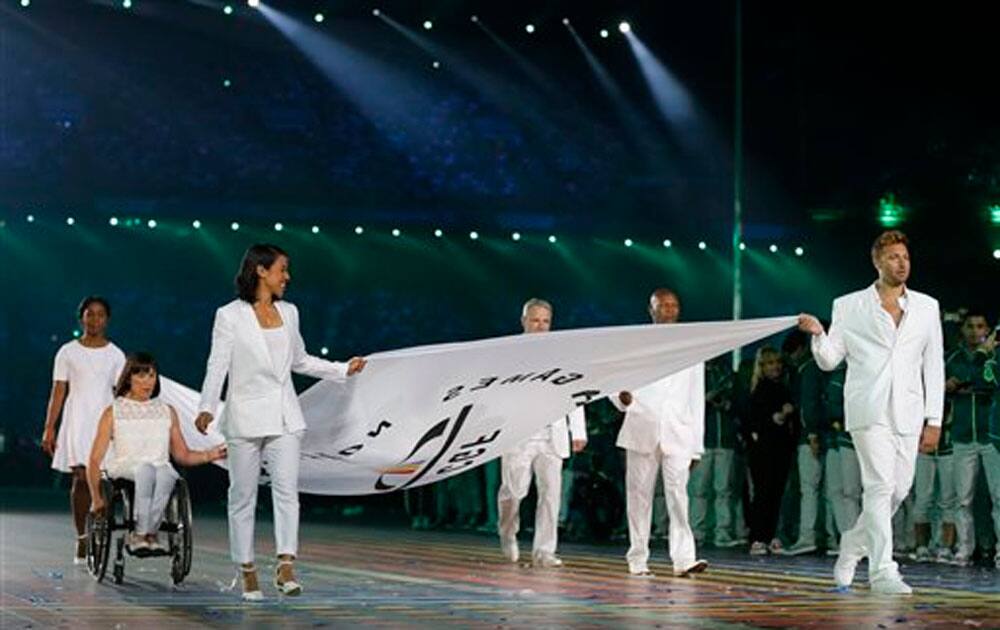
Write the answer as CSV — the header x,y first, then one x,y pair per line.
x,y
118,516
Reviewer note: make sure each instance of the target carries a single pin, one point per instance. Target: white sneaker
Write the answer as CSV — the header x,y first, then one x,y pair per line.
x,y
944,556
641,572
800,548
844,568
546,561
758,549
961,560
698,566
725,542
922,554
891,586
510,550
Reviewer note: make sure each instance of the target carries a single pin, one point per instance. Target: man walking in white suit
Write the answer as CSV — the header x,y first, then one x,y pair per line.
x,y
664,430
542,453
890,336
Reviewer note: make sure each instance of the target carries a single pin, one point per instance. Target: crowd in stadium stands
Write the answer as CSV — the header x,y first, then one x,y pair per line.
x,y
282,129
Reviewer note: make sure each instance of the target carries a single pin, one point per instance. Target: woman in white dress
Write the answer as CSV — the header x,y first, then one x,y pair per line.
x,y
143,433
83,381
256,344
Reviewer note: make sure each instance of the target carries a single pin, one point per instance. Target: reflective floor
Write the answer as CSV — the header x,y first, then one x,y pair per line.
x,y
398,578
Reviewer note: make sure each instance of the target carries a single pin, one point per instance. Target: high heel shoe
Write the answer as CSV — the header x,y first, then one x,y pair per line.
x,y
289,587
80,552
247,576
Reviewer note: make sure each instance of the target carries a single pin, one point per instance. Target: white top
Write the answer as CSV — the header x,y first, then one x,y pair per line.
x,y
140,435
91,374
277,345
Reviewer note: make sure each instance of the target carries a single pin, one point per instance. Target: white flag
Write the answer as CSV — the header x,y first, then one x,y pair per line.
x,y
416,416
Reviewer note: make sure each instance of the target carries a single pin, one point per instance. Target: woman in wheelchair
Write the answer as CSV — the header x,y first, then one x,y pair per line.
x,y
143,433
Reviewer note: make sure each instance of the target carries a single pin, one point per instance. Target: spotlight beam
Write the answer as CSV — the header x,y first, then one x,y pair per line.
x,y
637,125
677,105
379,91
532,71
672,98
510,97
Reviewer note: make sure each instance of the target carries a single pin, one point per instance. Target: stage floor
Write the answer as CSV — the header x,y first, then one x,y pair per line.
x,y
398,578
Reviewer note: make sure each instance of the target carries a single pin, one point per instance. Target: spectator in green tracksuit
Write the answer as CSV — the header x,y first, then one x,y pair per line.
x,y
971,382
938,465
842,472
811,457
716,473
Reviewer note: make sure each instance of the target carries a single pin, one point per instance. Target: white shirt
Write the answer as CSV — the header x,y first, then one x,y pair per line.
x,y
277,345
891,331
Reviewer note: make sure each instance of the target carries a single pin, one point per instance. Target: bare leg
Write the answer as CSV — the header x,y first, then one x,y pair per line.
x,y
79,498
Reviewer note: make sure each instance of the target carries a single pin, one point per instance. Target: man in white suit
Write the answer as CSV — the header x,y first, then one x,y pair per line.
x,y
891,339
542,453
664,430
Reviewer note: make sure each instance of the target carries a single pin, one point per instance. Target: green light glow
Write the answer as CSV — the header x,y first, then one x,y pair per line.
x,y
890,212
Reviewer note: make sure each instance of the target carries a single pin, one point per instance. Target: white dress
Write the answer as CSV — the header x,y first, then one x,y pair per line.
x,y
140,435
91,374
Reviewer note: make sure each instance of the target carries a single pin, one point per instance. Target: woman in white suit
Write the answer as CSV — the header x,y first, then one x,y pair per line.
x,y
257,344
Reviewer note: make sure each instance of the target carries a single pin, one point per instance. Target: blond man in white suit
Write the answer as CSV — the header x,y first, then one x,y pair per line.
x,y
663,433
256,344
890,336
543,454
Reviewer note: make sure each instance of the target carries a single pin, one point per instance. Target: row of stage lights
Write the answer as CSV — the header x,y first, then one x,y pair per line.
x,y
319,18
359,230
396,232
77,332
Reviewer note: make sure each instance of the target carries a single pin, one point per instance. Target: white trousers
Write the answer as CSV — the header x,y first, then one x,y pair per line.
x,y
641,471
516,469
931,469
713,476
887,462
810,478
153,486
967,460
279,455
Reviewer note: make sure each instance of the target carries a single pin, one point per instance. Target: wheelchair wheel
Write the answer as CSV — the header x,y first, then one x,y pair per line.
x,y
98,545
181,543
99,531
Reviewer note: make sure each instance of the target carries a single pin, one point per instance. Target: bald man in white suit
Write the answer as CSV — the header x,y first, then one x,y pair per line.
x,y
663,433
